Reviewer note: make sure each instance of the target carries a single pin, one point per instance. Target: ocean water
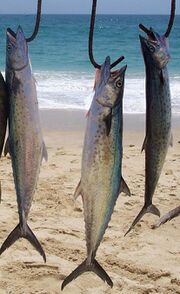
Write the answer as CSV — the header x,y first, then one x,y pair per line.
x,y
59,56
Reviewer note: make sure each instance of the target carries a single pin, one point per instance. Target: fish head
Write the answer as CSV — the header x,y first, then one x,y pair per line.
x,y
16,49
109,85
156,48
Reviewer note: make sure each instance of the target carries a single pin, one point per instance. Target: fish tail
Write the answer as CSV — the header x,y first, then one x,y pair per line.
x,y
23,232
84,267
146,209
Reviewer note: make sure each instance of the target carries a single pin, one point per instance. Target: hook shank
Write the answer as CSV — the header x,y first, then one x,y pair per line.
x,y
38,18
170,24
171,20
91,32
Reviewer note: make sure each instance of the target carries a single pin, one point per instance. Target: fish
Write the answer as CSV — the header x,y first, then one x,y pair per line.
x,y
155,50
26,145
3,114
101,179
3,111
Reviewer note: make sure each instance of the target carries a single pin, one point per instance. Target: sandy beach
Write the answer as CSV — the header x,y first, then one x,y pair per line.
x,y
144,262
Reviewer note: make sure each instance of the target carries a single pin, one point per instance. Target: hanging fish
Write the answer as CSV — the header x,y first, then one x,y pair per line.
x,y
101,178
156,55
26,144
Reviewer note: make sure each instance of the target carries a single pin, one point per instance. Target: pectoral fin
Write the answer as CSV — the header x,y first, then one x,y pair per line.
x,y
162,77
78,190
124,187
144,144
6,147
108,122
44,152
171,140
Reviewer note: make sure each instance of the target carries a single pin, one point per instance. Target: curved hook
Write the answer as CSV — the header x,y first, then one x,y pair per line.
x,y
171,19
170,24
91,32
38,18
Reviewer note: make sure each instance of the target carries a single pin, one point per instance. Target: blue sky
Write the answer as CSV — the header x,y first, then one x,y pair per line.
x,y
84,6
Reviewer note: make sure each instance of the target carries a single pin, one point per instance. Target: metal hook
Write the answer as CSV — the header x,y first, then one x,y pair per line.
x,y
171,19
91,31
36,28
38,18
170,24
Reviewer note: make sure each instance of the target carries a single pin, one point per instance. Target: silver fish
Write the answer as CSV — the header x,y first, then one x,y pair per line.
x,y
101,179
158,116
26,144
3,111
3,114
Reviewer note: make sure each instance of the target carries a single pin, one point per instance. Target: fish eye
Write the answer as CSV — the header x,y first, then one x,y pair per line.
x,y
151,48
9,47
119,83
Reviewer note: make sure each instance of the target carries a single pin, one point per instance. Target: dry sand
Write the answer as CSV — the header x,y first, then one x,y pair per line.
x,y
145,261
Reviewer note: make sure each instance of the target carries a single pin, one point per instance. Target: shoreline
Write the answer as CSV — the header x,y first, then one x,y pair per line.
x,y
75,120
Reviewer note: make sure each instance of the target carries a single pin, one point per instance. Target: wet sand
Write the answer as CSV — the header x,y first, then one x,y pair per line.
x,y
145,261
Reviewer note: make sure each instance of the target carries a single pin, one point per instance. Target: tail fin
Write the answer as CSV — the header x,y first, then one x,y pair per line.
x,y
20,232
84,267
150,209
167,217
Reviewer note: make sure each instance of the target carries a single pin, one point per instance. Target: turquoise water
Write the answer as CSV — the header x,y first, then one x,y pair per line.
x,y
60,61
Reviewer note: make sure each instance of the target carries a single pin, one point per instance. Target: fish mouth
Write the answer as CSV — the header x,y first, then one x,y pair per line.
x,y
103,74
11,32
106,70
119,72
17,50
161,56
11,35
152,36
15,36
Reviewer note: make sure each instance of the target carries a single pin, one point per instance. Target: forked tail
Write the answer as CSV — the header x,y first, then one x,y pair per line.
x,y
167,217
84,267
150,209
23,232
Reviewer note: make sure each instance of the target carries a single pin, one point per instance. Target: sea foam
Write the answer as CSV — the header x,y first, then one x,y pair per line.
x,y
75,90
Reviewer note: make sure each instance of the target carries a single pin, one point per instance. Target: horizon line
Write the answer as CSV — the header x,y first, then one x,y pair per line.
x,y
145,14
